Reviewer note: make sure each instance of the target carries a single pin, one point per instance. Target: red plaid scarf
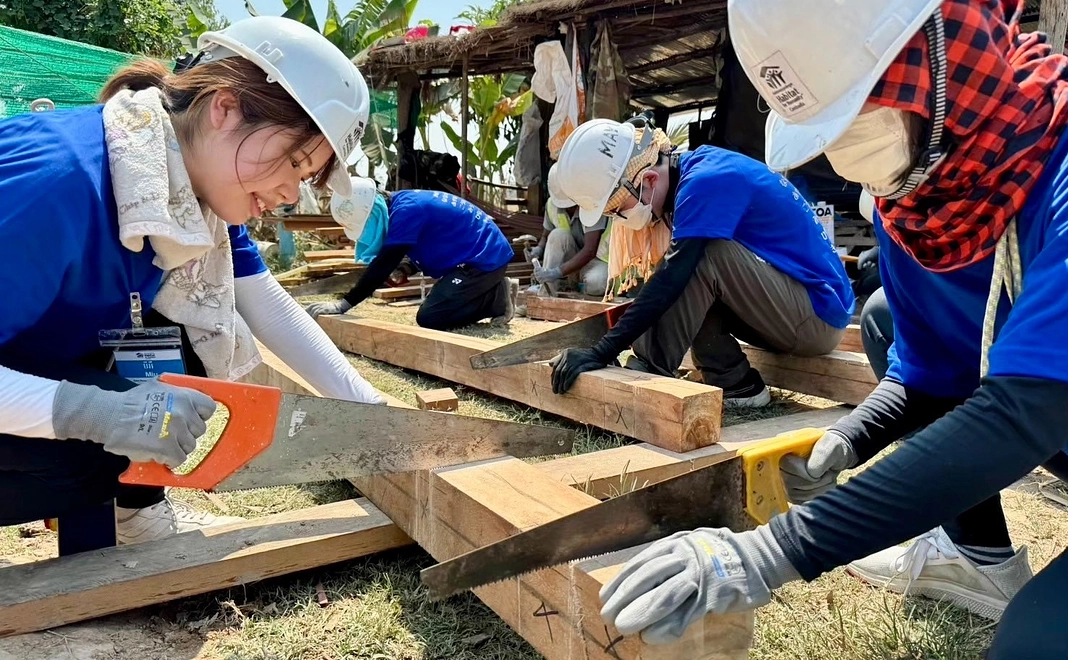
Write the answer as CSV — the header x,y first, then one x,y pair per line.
x,y
1006,108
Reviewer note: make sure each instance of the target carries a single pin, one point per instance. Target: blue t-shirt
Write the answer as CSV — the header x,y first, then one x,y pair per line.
x,y
938,317
725,195
63,273
444,232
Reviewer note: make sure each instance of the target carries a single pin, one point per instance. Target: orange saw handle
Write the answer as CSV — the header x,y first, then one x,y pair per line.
x,y
250,430
765,494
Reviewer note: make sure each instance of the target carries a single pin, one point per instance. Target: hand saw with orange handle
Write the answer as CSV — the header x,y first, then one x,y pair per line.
x,y
275,439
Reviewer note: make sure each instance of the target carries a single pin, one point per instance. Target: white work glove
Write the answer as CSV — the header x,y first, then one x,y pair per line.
x,y
151,422
337,307
533,253
678,580
808,478
544,275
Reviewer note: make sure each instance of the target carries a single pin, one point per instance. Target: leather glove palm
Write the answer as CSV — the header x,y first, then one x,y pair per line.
x,y
151,422
337,307
808,478
676,581
573,362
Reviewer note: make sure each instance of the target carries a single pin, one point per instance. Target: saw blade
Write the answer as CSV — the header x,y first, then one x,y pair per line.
x,y
319,439
546,345
712,496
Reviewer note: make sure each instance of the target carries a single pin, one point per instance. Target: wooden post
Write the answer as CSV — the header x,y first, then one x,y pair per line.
x,y
1053,20
465,91
407,95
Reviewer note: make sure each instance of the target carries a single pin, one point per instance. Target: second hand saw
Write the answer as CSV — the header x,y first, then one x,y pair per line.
x,y
737,493
276,439
583,333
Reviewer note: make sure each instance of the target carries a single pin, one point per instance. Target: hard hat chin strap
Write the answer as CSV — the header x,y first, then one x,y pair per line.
x,y
932,156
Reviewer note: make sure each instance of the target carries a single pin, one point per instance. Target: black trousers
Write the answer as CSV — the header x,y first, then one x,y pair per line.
x,y
42,478
463,296
1035,624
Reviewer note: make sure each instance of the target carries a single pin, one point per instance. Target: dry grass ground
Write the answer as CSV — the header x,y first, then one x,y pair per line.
x,y
379,611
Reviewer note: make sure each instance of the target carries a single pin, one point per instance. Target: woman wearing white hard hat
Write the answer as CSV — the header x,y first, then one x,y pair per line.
x,y
569,249
444,236
748,259
953,120
131,213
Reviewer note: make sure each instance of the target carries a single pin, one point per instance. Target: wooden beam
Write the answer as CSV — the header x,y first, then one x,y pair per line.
x,y
328,285
851,341
547,308
64,590
465,93
1053,20
454,510
838,376
667,412
322,255
671,61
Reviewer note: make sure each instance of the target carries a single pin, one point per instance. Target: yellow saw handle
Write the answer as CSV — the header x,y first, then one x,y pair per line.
x,y
765,494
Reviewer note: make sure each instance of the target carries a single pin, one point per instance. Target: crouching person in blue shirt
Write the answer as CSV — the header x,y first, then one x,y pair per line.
x,y
747,260
445,237
133,211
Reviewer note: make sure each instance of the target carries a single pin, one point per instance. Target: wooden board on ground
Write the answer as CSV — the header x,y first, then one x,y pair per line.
x,y
838,376
545,308
667,412
416,291
55,592
443,400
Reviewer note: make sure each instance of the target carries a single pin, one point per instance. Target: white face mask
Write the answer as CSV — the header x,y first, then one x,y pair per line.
x,y
639,216
878,150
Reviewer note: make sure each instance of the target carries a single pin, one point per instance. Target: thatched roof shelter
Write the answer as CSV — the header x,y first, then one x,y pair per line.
x,y
669,47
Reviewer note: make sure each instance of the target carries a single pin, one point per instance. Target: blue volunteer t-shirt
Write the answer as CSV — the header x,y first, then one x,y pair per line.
x,y
444,232
938,317
64,274
725,195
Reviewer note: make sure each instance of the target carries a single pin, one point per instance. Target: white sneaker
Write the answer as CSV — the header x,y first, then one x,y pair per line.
x,y
161,520
933,567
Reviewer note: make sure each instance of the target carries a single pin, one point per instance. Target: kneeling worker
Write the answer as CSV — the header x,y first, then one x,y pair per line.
x,y
570,249
748,259
445,237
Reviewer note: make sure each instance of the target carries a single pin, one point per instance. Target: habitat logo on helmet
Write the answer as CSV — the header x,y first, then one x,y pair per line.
x,y
816,62
315,73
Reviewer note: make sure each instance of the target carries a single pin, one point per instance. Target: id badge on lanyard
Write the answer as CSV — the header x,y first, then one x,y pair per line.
x,y
140,354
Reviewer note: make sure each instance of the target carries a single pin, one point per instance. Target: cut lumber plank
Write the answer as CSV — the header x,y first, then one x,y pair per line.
x,y
454,510
314,256
851,341
415,290
55,592
608,472
328,285
443,400
545,308
838,376
666,412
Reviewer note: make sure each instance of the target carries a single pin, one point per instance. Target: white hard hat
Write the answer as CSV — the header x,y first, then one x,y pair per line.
x,y
556,194
352,211
867,206
314,72
816,62
592,163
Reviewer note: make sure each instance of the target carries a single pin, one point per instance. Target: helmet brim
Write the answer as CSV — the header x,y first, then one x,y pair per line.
x,y
792,145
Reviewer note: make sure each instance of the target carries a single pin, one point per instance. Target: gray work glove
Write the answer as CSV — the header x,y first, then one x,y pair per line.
x,y
868,258
337,307
808,478
678,580
544,275
151,422
533,253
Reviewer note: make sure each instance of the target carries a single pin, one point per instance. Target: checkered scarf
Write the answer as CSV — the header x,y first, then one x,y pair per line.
x,y
1005,109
